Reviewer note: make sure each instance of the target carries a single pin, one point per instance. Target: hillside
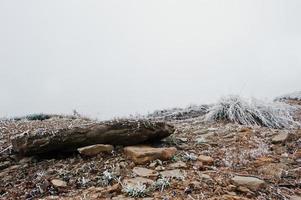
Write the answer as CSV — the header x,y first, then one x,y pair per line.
x,y
200,160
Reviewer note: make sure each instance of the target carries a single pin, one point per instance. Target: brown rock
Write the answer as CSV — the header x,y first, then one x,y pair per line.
x,y
144,154
205,177
198,165
280,138
144,172
249,182
176,173
179,164
206,160
136,181
58,183
93,150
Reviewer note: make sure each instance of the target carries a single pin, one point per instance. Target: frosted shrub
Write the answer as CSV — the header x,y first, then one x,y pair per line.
x,y
252,112
290,96
190,157
192,111
107,177
162,183
139,190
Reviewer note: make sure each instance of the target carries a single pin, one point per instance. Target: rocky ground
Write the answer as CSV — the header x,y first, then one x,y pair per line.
x,y
199,161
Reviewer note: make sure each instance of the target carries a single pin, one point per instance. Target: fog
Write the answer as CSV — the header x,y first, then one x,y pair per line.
x,y
114,58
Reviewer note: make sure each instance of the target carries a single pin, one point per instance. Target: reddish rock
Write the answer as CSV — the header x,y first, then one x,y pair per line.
x,y
206,160
138,180
251,183
179,164
144,154
144,172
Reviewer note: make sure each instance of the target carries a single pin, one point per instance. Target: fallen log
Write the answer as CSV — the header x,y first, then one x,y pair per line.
x,y
117,132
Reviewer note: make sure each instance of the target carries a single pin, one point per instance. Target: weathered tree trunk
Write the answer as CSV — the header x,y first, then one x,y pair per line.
x,y
124,132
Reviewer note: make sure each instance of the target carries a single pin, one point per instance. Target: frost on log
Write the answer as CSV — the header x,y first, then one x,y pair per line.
x,y
117,132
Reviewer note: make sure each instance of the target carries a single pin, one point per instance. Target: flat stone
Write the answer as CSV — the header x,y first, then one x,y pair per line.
x,y
144,154
179,164
176,173
137,180
93,150
144,172
58,183
206,160
249,182
205,177
280,138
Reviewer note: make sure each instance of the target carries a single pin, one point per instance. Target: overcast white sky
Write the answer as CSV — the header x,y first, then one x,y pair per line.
x,y
113,58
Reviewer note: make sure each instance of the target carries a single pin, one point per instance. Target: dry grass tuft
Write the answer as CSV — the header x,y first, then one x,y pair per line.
x,y
253,112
